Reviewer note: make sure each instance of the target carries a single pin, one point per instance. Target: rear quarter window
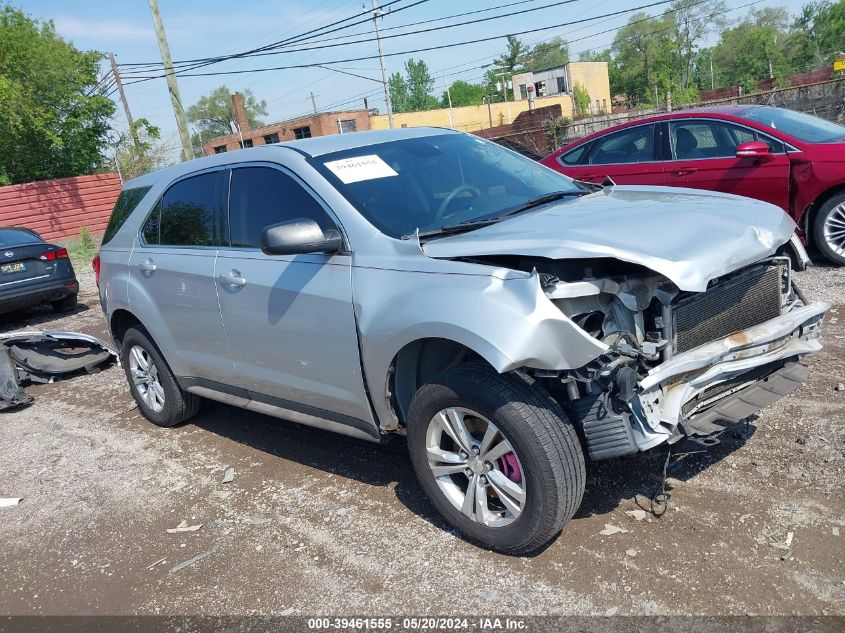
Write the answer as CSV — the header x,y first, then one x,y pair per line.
x,y
123,208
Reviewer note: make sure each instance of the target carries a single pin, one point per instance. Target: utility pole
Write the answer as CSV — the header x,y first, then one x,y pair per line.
x,y
377,13
313,102
116,73
172,86
712,76
449,96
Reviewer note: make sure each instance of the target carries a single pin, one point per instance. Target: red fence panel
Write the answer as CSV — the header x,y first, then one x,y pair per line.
x,y
60,208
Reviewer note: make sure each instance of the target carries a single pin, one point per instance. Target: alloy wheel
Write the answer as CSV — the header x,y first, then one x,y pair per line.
x,y
146,378
475,467
834,229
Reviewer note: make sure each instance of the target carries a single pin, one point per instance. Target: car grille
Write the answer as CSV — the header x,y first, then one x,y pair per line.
x,y
733,305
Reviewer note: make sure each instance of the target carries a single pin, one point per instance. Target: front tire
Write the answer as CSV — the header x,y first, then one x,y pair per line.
x,y
497,457
160,398
829,230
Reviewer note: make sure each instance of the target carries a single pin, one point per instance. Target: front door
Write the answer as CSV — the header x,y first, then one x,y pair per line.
x,y
628,157
172,270
289,319
704,157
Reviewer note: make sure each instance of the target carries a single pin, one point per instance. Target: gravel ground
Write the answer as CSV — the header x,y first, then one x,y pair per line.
x,y
319,524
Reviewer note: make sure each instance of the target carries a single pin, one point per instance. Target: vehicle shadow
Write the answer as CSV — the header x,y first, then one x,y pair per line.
x,y
609,483
37,316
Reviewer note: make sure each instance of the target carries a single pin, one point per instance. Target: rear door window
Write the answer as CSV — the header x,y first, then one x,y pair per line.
x,y
123,208
263,196
574,156
184,216
635,145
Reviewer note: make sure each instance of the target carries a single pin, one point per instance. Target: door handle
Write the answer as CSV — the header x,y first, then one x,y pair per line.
x,y
233,278
685,171
147,266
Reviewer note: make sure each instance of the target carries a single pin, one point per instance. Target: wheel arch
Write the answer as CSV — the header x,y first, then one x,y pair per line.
x,y
120,322
418,361
810,213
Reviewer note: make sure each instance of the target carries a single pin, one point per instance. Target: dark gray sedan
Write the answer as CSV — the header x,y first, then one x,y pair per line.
x,y
33,272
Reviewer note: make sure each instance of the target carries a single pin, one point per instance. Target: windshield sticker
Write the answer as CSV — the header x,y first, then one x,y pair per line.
x,y
360,168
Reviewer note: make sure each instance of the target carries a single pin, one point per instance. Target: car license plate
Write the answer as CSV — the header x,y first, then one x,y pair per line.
x,y
17,267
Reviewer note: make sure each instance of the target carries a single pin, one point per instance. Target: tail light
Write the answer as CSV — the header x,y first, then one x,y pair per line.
x,y
59,253
95,264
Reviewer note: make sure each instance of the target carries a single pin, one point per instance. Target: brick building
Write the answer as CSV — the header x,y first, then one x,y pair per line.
x,y
317,124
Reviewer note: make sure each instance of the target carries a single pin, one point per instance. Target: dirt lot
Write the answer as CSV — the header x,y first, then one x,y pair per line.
x,y
319,524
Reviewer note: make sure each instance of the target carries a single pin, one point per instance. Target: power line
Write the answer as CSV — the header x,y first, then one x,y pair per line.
x,y
314,32
408,52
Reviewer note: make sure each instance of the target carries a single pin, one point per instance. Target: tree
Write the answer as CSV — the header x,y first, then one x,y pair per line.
x,y
463,93
213,115
693,21
54,117
554,52
753,49
136,159
818,33
581,98
412,92
505,66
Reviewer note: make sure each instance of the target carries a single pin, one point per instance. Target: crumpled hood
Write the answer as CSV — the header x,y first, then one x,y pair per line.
x,y
687,235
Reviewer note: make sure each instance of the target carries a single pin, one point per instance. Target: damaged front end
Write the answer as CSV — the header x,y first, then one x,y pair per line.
x,y
678,364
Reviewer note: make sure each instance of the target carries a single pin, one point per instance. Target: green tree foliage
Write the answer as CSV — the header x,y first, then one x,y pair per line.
x,y
412,92
750,51
140,151
213,116
817,35
581,98
554,52
463,93
54,120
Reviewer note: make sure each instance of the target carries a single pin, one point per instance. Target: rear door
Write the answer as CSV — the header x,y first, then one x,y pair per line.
x,y
173,288
703,156
629,157
289,319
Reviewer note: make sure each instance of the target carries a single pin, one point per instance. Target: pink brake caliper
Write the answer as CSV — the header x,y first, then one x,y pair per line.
x,y
509,465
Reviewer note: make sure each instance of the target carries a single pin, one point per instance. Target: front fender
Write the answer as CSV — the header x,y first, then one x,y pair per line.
x,y
508,322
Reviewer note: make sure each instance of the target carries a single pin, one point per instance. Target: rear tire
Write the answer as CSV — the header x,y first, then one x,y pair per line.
x,y
829,230
546,473
160,398
64,305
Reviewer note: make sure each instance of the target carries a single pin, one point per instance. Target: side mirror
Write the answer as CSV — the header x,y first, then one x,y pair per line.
x,y
296,237
754,149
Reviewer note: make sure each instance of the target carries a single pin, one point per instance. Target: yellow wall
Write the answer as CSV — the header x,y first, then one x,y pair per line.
x,y
593,75
470,118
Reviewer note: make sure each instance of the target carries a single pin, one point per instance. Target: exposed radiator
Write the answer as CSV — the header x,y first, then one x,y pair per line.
x,y
738,303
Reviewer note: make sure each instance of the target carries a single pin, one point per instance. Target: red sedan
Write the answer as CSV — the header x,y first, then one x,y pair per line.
x,y
790,159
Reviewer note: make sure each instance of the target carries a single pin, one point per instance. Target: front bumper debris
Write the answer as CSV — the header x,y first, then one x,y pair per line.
x,y
729,379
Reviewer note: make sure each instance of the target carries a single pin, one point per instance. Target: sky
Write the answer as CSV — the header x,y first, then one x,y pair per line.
x,y
202,28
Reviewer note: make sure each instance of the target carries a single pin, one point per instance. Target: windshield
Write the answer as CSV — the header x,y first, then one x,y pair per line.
x,y
429,182
804,127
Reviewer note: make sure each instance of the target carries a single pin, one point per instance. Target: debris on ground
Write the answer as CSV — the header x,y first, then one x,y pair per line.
x,y
637,515
611,611
840,386
744,518
258,521
631,552
835,531
184,527
160,560
45,356
229,475
194,560
610,530
8,502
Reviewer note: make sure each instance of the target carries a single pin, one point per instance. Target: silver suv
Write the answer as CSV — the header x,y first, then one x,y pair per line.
x,y
422,282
